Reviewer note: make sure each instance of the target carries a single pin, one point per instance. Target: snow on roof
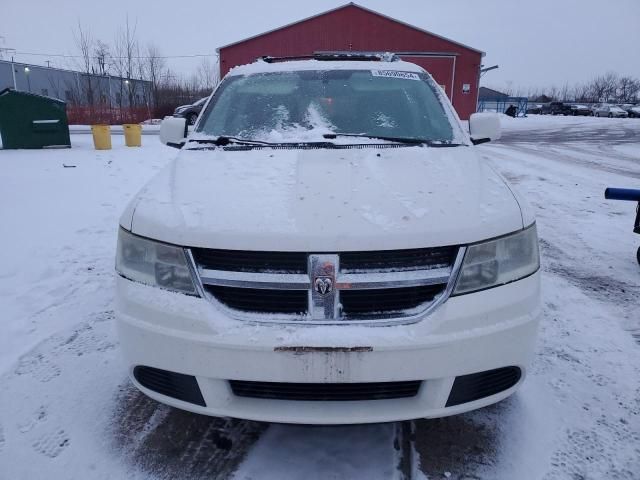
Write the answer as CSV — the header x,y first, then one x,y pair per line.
x,y
261,66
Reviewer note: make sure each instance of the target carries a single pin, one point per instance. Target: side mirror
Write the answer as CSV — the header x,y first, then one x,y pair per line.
x,y
173,131
484,127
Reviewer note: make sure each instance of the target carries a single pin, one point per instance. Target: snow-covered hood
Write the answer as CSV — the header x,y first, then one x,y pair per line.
x,y
325,200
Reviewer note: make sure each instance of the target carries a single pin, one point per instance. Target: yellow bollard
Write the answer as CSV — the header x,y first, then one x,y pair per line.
x,y
132,134
101,137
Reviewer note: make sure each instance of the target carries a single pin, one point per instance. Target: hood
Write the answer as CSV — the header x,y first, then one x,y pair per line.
x,y
325,200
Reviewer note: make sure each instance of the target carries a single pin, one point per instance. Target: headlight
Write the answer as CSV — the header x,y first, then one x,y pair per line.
x,y
496,262
153,263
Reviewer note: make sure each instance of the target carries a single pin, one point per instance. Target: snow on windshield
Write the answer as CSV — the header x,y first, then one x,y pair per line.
x,y
303,106
315,126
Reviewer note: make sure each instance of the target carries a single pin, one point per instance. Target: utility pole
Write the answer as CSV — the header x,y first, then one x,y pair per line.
x,y
4,50
13,73
487,69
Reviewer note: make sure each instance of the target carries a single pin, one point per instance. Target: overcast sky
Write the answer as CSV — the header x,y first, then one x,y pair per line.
x,y
535,42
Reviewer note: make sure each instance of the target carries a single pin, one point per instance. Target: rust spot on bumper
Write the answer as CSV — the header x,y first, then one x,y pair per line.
x,y
302,349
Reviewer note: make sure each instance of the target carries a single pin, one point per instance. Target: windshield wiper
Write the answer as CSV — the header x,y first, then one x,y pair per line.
x,y
223,141
406,140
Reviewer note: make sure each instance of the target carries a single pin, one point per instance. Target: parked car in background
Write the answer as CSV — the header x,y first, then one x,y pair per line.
x,y
632,110
535,109
581,110
545,109
606,110
560,108
190,112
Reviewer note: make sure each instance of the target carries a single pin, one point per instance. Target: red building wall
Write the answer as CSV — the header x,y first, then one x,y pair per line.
x,y
355,28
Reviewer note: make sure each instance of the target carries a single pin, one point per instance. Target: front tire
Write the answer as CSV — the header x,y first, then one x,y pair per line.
x,y
610,116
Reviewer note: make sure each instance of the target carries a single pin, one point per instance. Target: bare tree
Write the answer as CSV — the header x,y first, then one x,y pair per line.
x,y
603,87
101,56
581,93
125,60
85,43
628,89
207,74
563,93
154,68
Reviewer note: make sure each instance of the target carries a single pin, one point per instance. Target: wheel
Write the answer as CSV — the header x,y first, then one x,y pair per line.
x,y
191,118
610,116
597,114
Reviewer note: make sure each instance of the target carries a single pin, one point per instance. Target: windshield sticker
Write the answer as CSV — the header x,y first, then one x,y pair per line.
x,y
395,74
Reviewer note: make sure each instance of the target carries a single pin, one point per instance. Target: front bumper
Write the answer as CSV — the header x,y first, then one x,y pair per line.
x,y
466,334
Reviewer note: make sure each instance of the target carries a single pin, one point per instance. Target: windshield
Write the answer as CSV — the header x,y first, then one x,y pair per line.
x,y
298,106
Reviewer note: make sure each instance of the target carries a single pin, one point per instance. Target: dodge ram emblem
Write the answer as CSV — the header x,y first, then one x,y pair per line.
x,y
323,285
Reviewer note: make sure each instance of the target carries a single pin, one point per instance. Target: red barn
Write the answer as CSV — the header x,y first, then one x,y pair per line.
x,y
351,27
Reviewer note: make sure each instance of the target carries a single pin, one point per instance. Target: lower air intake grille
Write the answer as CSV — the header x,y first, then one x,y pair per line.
x,y
261,300
467,388
325,391
356,303
175,385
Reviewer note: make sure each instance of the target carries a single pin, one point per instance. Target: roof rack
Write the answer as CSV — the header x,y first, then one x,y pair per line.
x,y
339,55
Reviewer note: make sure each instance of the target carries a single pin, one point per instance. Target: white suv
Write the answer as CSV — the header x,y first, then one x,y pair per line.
x,y
328,247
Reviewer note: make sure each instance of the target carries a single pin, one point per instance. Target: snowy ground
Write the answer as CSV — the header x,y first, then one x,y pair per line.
x,y
67,410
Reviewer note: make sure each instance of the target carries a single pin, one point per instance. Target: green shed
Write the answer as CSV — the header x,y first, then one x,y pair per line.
x,y
28,120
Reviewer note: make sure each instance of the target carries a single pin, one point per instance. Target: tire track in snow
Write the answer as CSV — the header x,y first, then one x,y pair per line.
x,y
171,443
589,273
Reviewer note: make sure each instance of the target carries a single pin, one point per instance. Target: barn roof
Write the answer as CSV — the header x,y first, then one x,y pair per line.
x,y
489,93
352,4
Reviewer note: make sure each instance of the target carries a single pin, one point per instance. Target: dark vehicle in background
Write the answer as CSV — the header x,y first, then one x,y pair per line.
x,y
581,110
190,112
535,109
545,109
560,108
632,110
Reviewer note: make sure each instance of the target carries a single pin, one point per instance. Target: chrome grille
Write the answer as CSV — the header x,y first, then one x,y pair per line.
x,y
324,288
261,300
385,301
